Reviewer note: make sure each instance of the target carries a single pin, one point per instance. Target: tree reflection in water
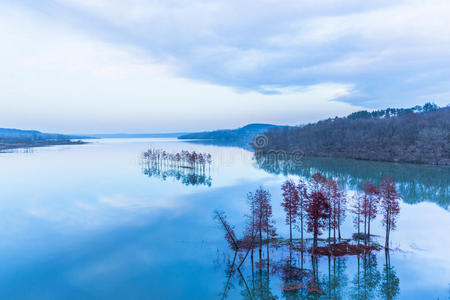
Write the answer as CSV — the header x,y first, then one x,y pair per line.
x,y
416,183
390,283
322,279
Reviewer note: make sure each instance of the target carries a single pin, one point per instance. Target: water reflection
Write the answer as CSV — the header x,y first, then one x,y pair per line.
x,y
366,278
322,278
390,283
416,183
185,176
87,234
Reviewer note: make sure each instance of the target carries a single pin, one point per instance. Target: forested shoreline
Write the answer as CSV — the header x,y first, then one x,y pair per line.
x,y
416,135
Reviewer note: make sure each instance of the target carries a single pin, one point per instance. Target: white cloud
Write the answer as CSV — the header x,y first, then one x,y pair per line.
x,y
137,65
57,78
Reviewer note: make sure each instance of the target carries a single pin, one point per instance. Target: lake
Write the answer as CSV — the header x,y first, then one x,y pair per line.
x,y
90,222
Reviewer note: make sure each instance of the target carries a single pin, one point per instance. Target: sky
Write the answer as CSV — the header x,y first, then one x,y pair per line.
x,y
105,66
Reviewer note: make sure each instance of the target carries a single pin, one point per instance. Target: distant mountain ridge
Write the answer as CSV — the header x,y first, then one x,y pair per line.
x,y
11,138
138,135
14,134
241,137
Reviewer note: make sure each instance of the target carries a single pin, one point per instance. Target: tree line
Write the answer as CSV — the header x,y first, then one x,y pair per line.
x,y
416,136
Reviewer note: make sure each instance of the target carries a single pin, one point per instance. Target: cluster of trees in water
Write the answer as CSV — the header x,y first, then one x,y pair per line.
x,y
319,204
191,168
400,135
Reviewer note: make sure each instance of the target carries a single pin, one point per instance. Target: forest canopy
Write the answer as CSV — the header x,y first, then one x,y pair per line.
x,y
415,135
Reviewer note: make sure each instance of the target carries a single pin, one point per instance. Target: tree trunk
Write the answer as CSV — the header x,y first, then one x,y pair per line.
x,y
359,231
260,243
268,246
388,227
334,229
329,231
315,242
301,229
339,228
365,229
290,229
251,257
386,245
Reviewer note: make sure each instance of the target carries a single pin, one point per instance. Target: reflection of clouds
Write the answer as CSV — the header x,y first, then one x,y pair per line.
x,y
423,229
130,202
105,211
110,265
84,205
45,214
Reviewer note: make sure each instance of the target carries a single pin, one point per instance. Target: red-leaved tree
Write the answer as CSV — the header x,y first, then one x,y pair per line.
x,y
263,216
330,191
339,208
303,199
318,210
290,204
317,207
358,207
251,229
389,205
370,205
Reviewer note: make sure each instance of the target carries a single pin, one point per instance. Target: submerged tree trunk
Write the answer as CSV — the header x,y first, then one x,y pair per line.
x,y
359,231
339,228
334,228
260,240
387,237
315,242
329,231
365,229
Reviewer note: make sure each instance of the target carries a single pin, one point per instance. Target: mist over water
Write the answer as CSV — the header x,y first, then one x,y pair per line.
x,y
88,221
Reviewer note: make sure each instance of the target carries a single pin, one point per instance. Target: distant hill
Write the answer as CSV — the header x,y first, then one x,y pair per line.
x,y
416,135
241,137
12,133
138,135
11,138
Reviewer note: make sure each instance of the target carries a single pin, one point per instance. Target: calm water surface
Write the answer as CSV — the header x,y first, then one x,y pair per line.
x,y
86,222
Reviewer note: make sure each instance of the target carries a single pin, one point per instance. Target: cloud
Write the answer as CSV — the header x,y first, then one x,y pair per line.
x,y
246,45
124,62
58,78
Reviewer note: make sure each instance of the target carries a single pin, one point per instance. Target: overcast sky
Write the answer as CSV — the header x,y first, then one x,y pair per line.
x,y
85,66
